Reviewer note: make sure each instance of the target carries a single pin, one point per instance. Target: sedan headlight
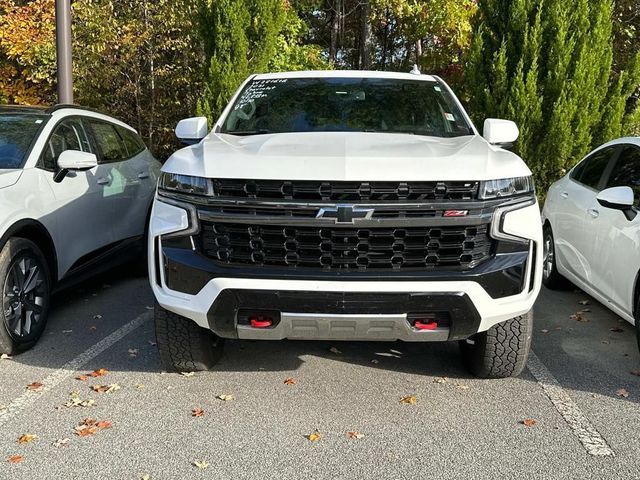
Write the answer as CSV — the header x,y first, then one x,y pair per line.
x,y
506,187
175,182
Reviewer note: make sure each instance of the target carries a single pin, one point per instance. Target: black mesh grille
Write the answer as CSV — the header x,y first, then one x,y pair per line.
x,y
346,248
345,191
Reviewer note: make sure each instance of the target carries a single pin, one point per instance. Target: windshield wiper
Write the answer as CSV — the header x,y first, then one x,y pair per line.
x,y
245,133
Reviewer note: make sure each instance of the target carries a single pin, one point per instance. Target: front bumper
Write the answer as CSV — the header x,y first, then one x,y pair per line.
x,y
354,308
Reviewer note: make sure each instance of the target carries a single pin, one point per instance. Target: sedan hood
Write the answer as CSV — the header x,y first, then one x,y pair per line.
x,y
9,177
346,156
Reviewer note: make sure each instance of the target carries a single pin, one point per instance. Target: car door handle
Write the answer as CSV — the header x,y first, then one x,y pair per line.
x,y
143,175
593,212
103,181
564,195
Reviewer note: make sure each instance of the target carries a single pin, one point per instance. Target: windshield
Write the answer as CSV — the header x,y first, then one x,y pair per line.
x,y
346,105
17,133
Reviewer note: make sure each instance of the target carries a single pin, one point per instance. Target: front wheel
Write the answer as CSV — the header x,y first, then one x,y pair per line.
x,y
501,351
551,278
25,286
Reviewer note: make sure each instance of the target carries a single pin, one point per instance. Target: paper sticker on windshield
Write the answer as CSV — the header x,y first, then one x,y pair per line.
x,y
450,117
437,89
38,122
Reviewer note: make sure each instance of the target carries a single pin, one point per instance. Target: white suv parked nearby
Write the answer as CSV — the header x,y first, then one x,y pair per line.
x,y
75,193
346,206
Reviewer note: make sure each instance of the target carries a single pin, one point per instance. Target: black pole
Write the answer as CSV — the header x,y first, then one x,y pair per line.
x,y
63,49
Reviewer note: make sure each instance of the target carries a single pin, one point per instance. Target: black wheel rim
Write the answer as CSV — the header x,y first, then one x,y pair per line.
x,y
24,296
548,257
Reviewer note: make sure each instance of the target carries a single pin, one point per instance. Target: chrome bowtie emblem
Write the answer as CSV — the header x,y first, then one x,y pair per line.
x,y
346,213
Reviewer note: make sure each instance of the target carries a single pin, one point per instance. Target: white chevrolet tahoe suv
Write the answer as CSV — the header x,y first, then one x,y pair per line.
x,y
346,206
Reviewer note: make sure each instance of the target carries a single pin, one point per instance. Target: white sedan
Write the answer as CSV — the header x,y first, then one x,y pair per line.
x,y
592,228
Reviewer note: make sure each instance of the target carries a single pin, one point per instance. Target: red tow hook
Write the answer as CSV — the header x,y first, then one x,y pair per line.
x,y
260,322
419,325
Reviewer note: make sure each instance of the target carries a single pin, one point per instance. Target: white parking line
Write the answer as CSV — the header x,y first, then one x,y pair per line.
x,y
590,438
69,368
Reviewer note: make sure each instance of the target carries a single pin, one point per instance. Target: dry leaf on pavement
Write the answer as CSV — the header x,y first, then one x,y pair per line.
x,y
114,387
314,437
15,459
529,422
82,378
355,435
335,350
635,372
409,400
584,302
290,381
621,392
27,438
187,374
440,380
63,442
35,387
103,424
225,398
201,464
4,356
133,352
197,412
85,430
578,317
76,401
101,372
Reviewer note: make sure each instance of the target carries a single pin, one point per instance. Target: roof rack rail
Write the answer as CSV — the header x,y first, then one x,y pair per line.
x,y
61,106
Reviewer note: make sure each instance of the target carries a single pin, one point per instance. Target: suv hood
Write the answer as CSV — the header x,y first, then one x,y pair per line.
x,y
346,156
9,177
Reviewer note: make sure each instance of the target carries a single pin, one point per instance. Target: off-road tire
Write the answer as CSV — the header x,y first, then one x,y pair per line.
x,y
501,351
15,249
551,278
183,345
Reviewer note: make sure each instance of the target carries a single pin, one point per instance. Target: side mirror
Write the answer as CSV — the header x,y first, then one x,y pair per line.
x,y
618,198
191,130
500,132
74,161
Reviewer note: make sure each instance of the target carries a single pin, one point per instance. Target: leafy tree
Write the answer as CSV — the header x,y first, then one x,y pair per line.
x,y
548,66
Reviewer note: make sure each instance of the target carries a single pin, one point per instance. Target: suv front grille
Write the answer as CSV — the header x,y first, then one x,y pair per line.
x,y
346,249
305,190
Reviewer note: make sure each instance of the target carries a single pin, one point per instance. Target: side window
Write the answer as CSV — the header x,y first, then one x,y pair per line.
x,y
626,172
111,146
132,141
68,135
590,171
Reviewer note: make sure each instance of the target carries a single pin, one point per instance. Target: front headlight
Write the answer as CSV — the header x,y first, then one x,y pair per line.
x,y
506,187
175,182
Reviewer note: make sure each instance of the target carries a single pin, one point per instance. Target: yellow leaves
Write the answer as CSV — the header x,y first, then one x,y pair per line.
x,y
409,400
314,437
27,438
201,464
76,401
35,387
197,412
528,422
225,398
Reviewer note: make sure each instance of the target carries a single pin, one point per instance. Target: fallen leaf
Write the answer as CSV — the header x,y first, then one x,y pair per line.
x,y
97,317
375,361
140,386
578,317
82,378
314,437
133,352
197,412
529,422
85,430
440,380
226,398
15,459
101,372
4,356
145,477
355,435
27,438
585,310
544,330
187,374
76,401
462,387
114,387
335,350
409,400
616,330
584,302
290,381
635,372
201,464
103,424
63,442
35,387
88,421
621,392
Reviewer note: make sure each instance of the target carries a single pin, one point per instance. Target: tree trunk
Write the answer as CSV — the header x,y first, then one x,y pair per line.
x,y
336,9
418,51
365,36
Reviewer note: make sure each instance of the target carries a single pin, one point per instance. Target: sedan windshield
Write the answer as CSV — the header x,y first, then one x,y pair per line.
x,y
17,133
346,105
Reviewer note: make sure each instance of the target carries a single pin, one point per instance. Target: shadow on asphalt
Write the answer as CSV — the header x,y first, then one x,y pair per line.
x,y
575,354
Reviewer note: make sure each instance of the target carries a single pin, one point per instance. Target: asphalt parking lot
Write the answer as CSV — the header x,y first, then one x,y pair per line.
x,y
578,389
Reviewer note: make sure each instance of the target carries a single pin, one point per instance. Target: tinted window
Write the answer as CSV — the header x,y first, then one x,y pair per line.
x,y
68,135
626,172
590,171
132,142
17,133
346,105
109,142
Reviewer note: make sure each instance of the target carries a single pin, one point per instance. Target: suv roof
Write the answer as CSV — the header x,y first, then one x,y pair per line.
x,y
23,109
345,74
